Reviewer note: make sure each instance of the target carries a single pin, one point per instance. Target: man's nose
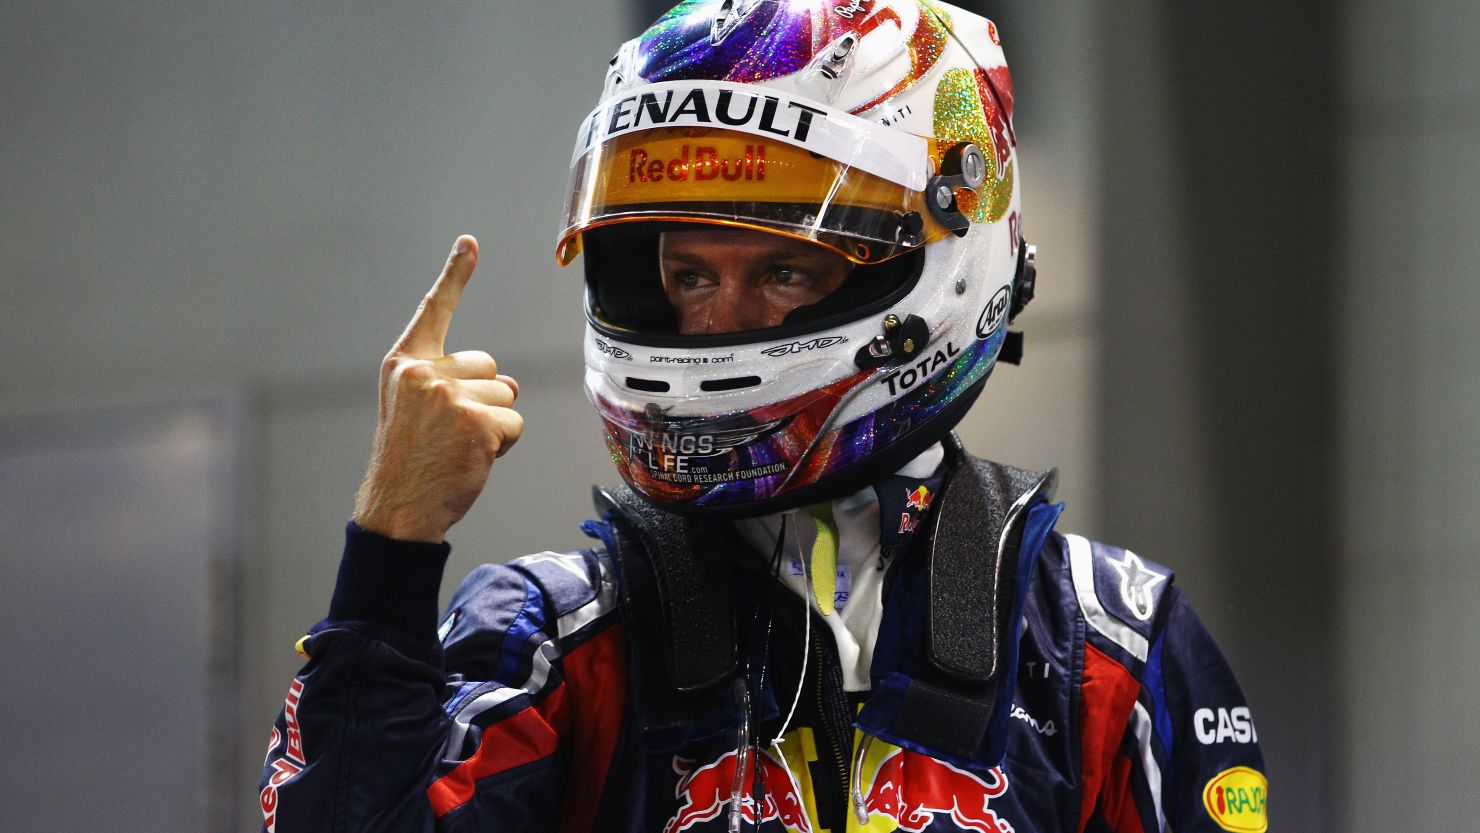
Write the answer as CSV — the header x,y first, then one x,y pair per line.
x,y
738,305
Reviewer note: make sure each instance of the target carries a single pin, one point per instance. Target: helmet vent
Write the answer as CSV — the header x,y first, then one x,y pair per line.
x,y
649,385
732,383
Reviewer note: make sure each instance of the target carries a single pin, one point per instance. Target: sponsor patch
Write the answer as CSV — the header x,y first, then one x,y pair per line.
x,y
914,791
918,499
287,765
1224,726
704,792
1236,798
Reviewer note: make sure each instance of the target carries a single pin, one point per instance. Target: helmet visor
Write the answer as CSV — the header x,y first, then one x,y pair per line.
x,y
728,154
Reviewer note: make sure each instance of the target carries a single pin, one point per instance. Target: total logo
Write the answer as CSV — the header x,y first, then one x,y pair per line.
x,y
795,347
907,377
1223,725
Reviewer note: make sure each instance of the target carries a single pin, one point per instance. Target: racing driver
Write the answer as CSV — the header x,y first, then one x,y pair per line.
x,y
806,608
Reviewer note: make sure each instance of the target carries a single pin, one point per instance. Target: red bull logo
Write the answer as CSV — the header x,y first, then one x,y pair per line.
x,y
918,499
706,165
286,766
914,789
705,793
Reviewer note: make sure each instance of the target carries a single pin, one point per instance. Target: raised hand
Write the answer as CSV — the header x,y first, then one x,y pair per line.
x,y
443,420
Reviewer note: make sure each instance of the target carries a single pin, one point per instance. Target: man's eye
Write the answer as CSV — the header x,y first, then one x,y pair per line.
x,y
687,279
786,276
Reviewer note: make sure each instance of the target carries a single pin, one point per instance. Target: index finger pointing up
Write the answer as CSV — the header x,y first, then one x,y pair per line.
x,y
426,334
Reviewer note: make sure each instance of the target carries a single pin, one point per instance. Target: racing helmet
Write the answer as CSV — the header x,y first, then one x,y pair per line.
x,y
879,129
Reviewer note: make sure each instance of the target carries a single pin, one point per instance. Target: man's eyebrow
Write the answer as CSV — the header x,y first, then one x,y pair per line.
x,y
775,253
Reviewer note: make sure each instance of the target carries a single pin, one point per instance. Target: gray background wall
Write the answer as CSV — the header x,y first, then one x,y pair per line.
x,y
1253,355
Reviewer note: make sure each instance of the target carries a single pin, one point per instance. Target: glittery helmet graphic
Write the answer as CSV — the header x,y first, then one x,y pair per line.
x,y
879,129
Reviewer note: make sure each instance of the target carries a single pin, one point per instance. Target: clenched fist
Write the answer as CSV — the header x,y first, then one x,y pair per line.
x,y
443,420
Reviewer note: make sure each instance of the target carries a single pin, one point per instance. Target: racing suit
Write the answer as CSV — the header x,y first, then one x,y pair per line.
x,y
585,691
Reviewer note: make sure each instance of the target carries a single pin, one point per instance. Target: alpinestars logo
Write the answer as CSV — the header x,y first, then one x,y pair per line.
x,y
802,346
1137,585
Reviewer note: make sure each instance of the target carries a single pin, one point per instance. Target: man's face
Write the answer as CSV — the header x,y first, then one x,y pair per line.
x,y
725,280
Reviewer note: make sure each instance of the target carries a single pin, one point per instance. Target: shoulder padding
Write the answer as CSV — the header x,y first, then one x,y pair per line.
x,y
1118,592
577,586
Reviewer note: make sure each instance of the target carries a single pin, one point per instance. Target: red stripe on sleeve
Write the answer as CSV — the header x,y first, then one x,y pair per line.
x,y
516,740
596,677
1108,694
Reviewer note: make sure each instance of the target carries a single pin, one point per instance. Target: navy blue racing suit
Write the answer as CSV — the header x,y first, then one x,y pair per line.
x,y
1109,708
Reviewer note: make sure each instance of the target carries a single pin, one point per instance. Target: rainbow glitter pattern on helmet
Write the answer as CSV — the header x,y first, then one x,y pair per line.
x,y
970,107
772,441
788,417
773,40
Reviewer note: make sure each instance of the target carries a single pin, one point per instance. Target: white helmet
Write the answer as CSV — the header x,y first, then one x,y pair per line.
x,y
881,129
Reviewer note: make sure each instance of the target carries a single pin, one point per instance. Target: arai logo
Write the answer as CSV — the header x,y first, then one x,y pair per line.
x,y
992,316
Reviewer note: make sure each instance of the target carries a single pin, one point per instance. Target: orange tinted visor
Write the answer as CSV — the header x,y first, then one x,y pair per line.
x,y
735,178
